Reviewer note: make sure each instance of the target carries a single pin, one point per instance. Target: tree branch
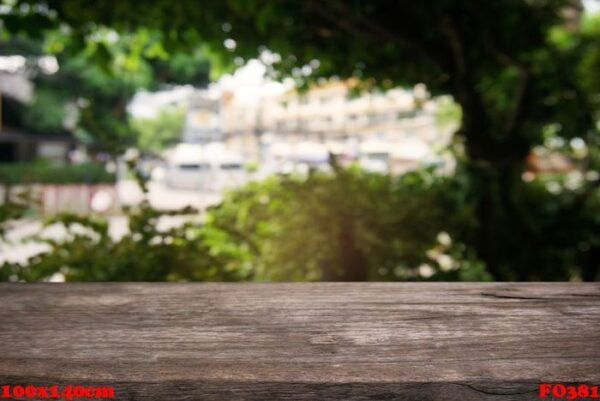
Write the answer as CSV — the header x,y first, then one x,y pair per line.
x,y
340,15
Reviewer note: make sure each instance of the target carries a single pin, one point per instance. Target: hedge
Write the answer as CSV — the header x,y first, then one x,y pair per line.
x,y
44,173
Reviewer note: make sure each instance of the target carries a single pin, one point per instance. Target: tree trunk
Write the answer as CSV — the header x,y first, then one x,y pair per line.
x,y
352,259
591,266
351,262
494,170
498,219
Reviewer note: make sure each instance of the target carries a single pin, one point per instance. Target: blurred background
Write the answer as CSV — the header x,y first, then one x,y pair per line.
x,y
303,141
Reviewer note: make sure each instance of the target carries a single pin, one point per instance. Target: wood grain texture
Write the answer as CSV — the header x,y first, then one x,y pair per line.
x,y
301,341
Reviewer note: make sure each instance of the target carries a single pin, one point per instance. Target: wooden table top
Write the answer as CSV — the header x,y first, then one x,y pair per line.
x,y
302,341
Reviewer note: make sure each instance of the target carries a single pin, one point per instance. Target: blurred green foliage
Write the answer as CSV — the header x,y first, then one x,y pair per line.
x,y
159,132
46,113
101,91
146,253
97,78
47,173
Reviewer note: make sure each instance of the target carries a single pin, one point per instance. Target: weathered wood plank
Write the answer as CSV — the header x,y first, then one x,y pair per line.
x,y
326,341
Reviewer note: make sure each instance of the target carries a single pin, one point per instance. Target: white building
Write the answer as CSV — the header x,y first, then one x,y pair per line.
x,y
395,129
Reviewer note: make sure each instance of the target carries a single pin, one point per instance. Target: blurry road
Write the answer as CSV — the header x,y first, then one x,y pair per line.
x,y
163,197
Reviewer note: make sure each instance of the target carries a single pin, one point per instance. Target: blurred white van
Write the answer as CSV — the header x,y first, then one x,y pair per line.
x,y
210,167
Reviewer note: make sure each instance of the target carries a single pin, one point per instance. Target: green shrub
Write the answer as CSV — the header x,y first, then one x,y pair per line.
x,y
89,253
343,225
346,224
